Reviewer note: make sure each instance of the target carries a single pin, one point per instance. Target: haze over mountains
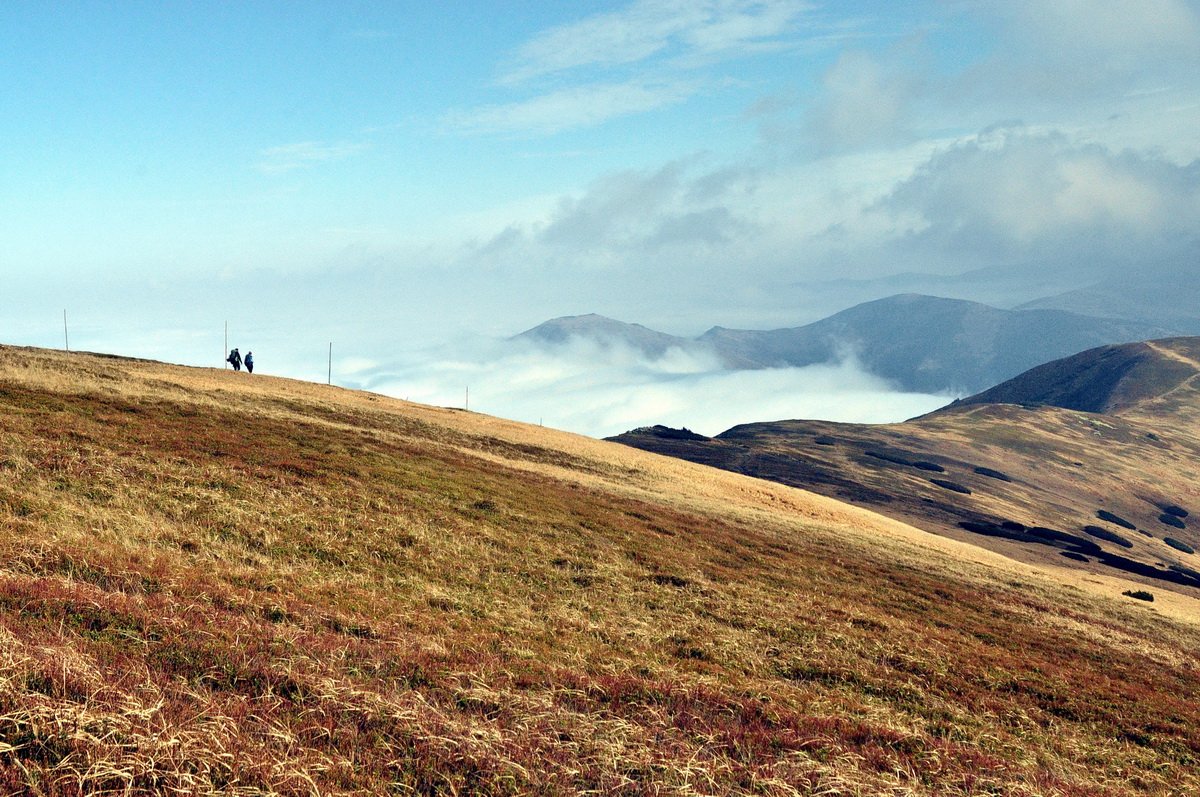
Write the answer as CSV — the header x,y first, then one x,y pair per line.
x,y
918,343
1172,300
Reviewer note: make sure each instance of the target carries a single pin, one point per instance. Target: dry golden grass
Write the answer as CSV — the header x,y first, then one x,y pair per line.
x,y
225,584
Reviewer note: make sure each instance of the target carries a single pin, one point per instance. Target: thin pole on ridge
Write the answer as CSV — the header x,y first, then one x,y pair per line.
x,y
66,339
329,374
225,351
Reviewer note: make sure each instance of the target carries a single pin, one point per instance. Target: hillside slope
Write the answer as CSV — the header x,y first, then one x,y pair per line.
x,y
1089,461
1107,379
218,583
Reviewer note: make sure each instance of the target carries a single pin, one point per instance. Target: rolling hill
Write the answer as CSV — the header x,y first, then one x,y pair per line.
x,y
1107,379
215,583
1089,461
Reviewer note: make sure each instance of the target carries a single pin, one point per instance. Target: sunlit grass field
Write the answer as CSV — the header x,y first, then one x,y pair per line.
x,y
216,583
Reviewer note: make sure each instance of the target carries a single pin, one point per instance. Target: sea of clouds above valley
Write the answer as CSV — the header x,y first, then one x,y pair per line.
x,y
602,390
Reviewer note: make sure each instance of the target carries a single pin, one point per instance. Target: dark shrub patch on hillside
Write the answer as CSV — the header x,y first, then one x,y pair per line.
x,y
825,441
1140,594
1187,571
1172,509
1143,569
1035,534
946,484
1104,514
1171,520
992,530
904,458
895,459
1075,547
1078,557
1062,539
1179,545
1105,534
993,474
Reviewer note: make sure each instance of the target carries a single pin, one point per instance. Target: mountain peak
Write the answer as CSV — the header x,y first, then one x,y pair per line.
x,y
604,330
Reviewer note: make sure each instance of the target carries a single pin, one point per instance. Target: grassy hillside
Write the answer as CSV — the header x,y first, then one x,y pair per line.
x,y
219,583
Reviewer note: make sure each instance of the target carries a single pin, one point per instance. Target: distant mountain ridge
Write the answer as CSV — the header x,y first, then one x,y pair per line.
x,y
919,343
1172,302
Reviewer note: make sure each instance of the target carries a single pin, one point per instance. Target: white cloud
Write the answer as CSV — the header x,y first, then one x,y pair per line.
x,y
1117,30
740,26
643,211
1071,52
305,154
651,27
571,108
1010,193
604,390
644,57
699,227
866,102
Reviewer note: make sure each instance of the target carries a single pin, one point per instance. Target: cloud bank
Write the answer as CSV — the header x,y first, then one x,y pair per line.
x,y
601,390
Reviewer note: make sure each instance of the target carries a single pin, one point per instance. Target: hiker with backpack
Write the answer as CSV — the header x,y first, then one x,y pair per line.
x,y
235,359
249,362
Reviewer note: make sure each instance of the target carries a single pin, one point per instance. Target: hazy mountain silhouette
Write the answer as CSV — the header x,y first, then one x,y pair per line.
x,y
604,330
1172,302
929,344
920,343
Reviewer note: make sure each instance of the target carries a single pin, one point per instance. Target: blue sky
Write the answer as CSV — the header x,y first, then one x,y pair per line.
x,y
402,176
